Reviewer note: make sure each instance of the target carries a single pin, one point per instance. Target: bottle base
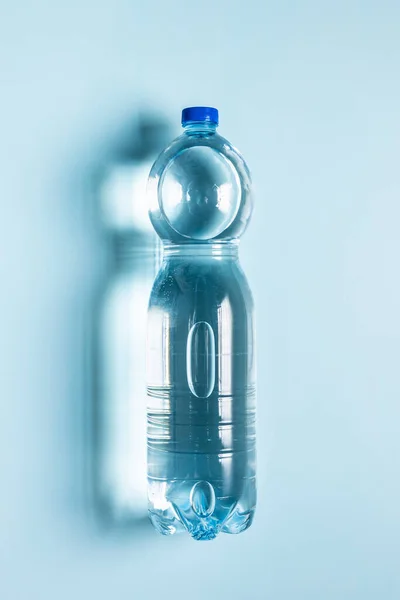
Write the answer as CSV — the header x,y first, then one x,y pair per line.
x,y
199,511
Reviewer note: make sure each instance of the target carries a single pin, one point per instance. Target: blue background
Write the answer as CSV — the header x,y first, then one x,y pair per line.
x,y
310,93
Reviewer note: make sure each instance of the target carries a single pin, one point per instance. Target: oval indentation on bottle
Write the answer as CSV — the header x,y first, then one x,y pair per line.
x,y
200,359
202,499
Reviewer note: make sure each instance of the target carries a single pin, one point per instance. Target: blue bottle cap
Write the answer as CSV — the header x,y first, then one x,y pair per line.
x,y
199,114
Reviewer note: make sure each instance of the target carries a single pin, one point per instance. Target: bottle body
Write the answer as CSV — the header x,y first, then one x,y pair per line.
x,y
201,394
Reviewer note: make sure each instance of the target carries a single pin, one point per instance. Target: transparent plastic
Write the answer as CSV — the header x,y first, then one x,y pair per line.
x,y
200,357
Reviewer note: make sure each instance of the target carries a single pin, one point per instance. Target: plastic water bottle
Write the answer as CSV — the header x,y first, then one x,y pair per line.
x,y
200,357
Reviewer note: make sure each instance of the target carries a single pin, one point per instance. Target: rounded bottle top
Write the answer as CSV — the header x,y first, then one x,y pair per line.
x,y
199,187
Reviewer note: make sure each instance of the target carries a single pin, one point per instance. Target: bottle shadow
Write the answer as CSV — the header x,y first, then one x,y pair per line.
x,y
116,336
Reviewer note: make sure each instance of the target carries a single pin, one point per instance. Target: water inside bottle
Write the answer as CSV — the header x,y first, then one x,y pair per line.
x,y
201,398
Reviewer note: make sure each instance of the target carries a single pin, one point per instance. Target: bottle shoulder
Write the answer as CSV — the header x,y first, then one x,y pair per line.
x,y
184,141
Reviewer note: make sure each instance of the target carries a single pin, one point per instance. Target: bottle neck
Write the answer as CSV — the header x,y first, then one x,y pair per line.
x,y
200,128
217,250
